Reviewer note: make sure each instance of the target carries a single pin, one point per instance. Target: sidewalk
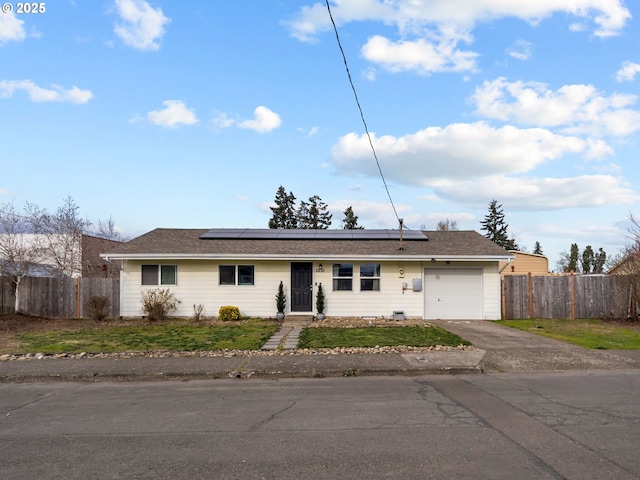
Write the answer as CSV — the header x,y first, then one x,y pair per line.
x,y
498,349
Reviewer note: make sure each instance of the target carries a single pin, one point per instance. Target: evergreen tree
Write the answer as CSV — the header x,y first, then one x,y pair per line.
x,y
284,213
574,253
313,214
587,259
537,249
599,261
350,221
496,227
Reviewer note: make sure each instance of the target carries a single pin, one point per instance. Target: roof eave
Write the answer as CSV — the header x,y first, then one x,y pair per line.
x,y
307,257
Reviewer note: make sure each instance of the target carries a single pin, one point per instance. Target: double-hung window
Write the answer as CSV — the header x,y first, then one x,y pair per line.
x,y
159,274
343,276
236,274
369,277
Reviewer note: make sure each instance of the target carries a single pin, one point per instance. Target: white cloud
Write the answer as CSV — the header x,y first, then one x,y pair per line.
x,y
410,16
459,150
141,25
539,193
264,120
174,113
11,28
422,55
429,32
628,72
521,50
39,94
578,109
4,191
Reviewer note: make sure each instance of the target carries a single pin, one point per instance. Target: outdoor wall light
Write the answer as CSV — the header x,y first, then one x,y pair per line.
x,y
320,268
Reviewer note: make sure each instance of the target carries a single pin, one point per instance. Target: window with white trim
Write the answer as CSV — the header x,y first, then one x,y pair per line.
x,y
159,274
236,274
370,277
343,276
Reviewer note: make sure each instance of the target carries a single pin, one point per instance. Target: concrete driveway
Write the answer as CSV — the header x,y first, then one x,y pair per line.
x,y
512,350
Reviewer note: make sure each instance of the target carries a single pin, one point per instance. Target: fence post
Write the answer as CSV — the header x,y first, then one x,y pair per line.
x,y
78,297
530,295
573,296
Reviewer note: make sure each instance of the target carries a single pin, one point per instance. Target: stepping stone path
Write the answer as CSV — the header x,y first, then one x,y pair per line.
x,y
287,337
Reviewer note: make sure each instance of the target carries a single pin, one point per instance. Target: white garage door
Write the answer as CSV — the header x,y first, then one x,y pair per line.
x,y
453,293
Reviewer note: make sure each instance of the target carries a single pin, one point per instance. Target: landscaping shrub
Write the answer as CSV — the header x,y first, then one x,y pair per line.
x,y
199,312
98,307
158,303
229,313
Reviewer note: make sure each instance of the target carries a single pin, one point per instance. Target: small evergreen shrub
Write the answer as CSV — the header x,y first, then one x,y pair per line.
x,y
229,313
158,303
98,307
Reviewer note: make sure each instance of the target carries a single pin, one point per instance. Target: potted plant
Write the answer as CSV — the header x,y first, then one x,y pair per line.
x,y
281,301
320,303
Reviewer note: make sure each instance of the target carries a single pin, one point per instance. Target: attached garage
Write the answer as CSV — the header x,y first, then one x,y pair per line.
x,y
453,293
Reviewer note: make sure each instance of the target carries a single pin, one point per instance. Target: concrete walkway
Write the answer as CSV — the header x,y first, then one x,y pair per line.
x,y
287,337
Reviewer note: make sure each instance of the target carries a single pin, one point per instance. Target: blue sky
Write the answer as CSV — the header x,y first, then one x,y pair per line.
x,y
192,114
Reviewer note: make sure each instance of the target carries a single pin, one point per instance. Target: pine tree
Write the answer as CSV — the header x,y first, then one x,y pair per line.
x,y
314,214
350,221
284,213
574,253
496,227
587,259
537,249
599,260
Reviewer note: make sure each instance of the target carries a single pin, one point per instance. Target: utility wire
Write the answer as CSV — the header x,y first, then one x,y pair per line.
x,y
364,122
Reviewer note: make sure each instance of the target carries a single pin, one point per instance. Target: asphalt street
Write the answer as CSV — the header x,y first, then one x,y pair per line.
x,y
565,425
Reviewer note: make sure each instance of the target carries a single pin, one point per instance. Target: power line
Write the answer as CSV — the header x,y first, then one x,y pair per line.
x,y
364,122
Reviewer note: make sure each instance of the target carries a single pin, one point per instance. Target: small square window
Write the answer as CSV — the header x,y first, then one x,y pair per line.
x,y
343,276
245,274
149,274
168,275
369,277
227,274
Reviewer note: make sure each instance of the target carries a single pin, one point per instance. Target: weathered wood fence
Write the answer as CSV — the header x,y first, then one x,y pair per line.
x,y
58,297
572,296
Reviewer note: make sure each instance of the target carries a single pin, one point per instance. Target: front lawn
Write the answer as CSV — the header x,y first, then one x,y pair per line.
x,y
584,333
412,336
244,335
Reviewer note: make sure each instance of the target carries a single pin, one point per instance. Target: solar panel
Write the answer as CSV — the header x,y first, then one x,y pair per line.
x,y
310,234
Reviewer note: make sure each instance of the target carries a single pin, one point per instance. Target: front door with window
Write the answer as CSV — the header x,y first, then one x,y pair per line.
x,y
301,286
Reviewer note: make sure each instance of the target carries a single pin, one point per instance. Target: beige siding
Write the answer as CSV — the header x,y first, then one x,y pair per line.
x,y
383,303
198,284
525,263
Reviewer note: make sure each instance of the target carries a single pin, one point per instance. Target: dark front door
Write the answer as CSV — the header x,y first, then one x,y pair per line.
x,y
301,286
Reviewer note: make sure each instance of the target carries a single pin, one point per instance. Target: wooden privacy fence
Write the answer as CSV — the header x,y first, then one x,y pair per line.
x,y
59,297
571,296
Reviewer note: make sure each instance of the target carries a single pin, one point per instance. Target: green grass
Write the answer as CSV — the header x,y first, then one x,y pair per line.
x,y
249,335
594,334
415,336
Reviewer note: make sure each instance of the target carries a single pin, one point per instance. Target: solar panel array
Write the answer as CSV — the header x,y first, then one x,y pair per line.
x,y
310,234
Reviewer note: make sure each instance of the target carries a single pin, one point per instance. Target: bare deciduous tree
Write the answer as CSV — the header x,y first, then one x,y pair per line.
x,y
62,233
21,252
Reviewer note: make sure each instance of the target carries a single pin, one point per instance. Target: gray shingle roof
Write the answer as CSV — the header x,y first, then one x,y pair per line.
x,y
186,243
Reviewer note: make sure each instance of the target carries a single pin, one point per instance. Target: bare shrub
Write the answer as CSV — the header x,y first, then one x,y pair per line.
x,y
98,307
158,303
199,312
